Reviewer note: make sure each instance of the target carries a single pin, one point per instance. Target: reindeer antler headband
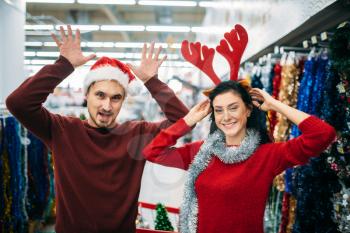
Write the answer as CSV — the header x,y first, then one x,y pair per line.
x,y
202,56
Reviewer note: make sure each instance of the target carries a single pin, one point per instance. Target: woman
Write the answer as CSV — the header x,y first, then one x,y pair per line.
x,y
231,172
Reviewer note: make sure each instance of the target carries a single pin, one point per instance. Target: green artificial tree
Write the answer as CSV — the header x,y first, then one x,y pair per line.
x,y
162,220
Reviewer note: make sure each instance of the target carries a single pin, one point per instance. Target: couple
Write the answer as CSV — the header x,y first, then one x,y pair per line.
x,y
99,162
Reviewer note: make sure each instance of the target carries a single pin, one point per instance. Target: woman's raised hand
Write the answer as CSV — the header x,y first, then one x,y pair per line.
x,y
197,113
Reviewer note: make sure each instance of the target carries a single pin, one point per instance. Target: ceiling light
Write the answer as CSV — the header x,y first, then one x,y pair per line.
x,y
242,5
38,27
29,54
38,33
110,54
115,2
168,3
50,1
134,28
214,4
128,45
210,30
168,28
50,44
47,54
105,44
42,62
175,46
33,43
80,27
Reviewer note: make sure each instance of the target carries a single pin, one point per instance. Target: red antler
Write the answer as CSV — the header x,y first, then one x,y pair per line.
x,y
238,39
193,53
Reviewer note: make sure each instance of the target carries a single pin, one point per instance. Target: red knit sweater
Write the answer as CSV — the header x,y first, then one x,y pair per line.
x,y
232,197
97,172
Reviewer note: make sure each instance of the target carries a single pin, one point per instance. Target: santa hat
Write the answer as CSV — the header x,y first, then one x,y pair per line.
x,y
107,68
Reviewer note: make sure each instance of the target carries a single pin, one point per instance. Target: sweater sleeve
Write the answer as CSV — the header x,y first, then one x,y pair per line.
x,y
316,136
171,106
26,102
161,151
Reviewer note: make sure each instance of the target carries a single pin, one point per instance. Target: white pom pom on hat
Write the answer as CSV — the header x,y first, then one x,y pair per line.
x,y
107,68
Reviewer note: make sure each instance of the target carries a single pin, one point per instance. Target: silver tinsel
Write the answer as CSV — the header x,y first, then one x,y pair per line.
x,y
214,145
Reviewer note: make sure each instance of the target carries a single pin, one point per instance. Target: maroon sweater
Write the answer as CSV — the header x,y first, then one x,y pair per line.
x,y
232,197
97,172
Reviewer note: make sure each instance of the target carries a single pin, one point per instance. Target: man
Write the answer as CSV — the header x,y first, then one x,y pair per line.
x,y
98,162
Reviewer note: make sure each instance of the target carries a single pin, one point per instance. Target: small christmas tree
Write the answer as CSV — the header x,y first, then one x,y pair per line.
x,y
162,221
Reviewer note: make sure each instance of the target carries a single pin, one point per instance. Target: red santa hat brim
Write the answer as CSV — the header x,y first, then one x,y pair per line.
x,y
106,73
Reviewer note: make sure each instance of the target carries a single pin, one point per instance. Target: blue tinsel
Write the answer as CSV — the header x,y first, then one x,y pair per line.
x,y
316,96
288,180
256,82
313,187
1,167
38,178
305,90
14,147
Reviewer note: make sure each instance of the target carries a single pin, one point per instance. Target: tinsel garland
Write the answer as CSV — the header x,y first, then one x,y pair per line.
x,y
331,109
13,142
313,187
25,142
256,80
272,218
311,88
291,216
278,182
337,100
288,95
1,169
341,216
266,77
305,90
285,213
288,180
50,212
340,49
38,178
6,217
317,90
275,93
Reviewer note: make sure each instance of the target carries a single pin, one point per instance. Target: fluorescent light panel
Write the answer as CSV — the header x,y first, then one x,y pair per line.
x,y
239,5
178,64
151,28
47,54
50,1
168,3
114,2
81,27
168,28
210,30
33,43
38,27
41,62
104,44
29,54
130,28
118,55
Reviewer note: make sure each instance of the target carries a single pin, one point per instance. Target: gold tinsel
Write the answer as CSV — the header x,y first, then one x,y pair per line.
x,y
278,182
291,217
6,188
288,94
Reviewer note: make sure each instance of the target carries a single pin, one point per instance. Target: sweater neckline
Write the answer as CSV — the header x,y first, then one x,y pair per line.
x,y
99,129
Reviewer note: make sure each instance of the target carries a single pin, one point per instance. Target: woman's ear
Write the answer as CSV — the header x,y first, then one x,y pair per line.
x,y
250,110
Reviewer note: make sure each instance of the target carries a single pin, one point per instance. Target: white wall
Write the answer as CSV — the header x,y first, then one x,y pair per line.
x,y
12,19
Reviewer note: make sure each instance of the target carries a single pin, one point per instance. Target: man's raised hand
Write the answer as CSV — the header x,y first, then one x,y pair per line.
x,y
69,47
